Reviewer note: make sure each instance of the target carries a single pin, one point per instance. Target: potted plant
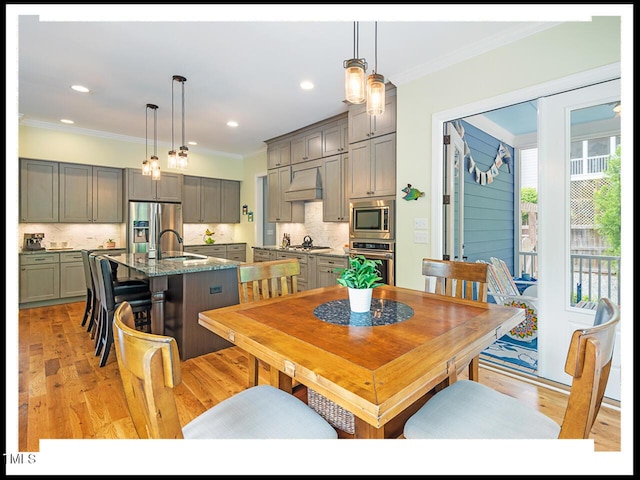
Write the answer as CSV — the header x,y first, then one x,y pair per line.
x,y
110,243
360,277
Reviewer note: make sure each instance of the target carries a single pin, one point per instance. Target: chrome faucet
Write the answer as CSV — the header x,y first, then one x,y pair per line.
x,y
159,253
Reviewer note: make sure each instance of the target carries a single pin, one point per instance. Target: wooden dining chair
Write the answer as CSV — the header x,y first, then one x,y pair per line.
x,y
470,410
263,280
466,280
150,370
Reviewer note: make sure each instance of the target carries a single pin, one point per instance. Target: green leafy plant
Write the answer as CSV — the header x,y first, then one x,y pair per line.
x,y
110,240
361,273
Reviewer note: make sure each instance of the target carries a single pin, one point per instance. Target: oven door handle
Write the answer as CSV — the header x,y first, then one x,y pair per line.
x,y
383,256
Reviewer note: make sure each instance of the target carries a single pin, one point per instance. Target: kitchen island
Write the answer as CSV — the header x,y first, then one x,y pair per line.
x,y
182,285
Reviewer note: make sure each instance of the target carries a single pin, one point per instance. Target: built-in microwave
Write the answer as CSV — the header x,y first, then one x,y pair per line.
x,y
372,219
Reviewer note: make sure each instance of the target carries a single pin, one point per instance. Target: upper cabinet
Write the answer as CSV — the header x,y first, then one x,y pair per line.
x,y
363,126
306,146
279,154
210,200
230,202
90,194
38,191
373,167
335,138
144,188
335,198
279,210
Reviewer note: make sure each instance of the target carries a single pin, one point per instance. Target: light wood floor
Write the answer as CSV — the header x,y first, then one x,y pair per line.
x,y
64,394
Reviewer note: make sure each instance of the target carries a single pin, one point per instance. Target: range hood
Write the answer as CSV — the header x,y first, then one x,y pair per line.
x,y
306,185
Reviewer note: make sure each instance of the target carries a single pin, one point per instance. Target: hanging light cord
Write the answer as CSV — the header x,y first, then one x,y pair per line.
x,y
172,102
182,81
146,133
375,57
155,132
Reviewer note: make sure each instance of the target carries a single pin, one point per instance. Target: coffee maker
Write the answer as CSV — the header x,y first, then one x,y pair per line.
x,y
33,242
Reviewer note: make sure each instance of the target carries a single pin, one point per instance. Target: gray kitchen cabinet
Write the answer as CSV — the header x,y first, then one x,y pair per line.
x,y
72,281
202,200
325,266
279,154
144,188
230,202
363,126
303,259
38,191
231,251
372,171
263,254
237,252
279,210
335,198
90,194
306,146
39,277
335,138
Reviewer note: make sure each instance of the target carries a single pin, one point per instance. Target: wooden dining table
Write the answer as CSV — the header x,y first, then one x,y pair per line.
x,y
381,365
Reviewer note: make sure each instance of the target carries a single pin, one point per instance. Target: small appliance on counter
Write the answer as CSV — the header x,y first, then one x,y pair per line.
x,y
33,242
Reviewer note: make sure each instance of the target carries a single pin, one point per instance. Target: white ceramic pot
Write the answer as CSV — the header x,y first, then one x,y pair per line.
x,y
360,299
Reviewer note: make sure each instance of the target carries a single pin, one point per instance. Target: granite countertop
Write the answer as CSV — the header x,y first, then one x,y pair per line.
x,y
69,250
213,244
187,263
334,252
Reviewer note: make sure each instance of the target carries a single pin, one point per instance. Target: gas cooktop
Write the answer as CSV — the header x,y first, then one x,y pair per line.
x,y
305,248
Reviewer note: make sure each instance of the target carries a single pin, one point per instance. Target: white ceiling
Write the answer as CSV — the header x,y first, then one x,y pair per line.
x,y
247,71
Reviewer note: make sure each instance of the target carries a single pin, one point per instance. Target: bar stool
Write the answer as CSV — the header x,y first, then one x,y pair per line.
x,y
140,304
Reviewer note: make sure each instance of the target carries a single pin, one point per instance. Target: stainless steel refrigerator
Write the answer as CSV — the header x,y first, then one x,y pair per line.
x,y
145,222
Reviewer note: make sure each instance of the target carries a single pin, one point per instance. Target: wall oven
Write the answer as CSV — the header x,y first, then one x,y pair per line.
x,y
372,219
377,250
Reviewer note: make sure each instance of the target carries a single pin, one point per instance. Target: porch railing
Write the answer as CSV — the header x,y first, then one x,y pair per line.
x,y
594,276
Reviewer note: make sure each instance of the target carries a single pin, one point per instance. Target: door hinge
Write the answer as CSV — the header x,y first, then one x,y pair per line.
x,y
446,257
446,139
446,199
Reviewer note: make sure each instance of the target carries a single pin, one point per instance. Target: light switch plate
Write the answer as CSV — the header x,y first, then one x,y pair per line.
x,y
420,236
420,223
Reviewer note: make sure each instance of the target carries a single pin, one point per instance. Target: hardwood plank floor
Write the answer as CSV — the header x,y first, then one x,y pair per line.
x,y
64,394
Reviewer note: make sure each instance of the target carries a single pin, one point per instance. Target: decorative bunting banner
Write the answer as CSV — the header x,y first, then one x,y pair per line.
x,y
502,157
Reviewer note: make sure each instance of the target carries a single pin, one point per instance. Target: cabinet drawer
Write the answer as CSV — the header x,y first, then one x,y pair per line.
x,y
236,248
70,257
302,257
40,259
331,262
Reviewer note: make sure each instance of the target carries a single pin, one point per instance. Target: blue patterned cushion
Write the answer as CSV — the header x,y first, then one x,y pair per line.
x,y
469,410
259,412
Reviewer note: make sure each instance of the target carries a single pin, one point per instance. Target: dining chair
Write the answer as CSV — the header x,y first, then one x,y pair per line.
x,y
467,280
150,370
90,306
470,410
264,280
139,301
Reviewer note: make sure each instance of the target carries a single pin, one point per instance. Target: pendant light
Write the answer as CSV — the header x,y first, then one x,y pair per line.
x,y
146,164
172,158
375,86
182,157
354,73
154,164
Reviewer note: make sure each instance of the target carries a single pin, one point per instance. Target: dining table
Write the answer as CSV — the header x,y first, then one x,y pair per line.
x,y
380,365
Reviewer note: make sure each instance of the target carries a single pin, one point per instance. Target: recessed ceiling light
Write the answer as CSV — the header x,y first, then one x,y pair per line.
x,y
232,123
192,143
64,120
80,88
306,85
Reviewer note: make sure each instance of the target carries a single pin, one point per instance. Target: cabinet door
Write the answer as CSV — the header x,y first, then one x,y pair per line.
x,y
107,195
360,170
72,281
335,205
40,282
76,193
279,154
169,187
38,191
383,165
140,187
298,149
326,275
359,123
237,252
313,145
191,201
385,123
273,195
210,200
230,202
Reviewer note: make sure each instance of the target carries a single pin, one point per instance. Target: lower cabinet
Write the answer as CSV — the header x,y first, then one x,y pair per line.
x,y
72,281
325,266
230,251
303,258
263,254
39,277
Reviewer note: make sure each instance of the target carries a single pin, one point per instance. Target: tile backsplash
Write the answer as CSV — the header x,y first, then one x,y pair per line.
x,y
329,234
77,235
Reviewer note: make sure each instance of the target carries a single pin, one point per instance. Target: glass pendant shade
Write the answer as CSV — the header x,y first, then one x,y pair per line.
x,y
375,94
354,80
172,159
183,158
155,174
146,168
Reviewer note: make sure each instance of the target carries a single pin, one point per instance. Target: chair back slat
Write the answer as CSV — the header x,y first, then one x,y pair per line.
x,y
589,363
457,279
